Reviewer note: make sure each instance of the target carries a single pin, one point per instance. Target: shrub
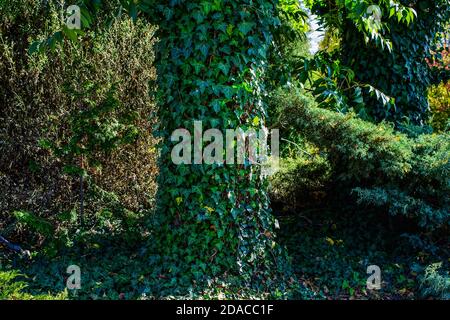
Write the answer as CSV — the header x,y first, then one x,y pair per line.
x,y
300,180
40,98
385,168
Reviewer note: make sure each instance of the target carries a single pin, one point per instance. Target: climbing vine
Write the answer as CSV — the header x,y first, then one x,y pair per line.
x,y
215,219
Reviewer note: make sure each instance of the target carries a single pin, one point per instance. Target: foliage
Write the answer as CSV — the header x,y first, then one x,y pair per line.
x,y
46,123
36,223
403,74
114,269
304,172
289,42
334,84
389,79
332,244
363,16
435,283
96,128
330,41
300,180
213,235
215,219
12,289
409,176
212,61
439,97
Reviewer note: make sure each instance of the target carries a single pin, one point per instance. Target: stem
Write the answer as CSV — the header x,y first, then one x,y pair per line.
x,y
81,197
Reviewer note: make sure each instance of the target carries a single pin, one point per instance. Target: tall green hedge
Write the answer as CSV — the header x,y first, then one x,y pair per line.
x,y
43,96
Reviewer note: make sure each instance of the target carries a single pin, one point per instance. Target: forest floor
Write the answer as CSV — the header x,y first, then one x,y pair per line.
x,y
331,250
330,255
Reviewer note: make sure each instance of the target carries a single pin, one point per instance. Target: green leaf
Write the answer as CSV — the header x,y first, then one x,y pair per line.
x,y
225,68
34,47
246,27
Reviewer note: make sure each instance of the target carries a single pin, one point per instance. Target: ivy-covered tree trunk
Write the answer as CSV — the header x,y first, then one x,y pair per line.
x,y
214,219
404,73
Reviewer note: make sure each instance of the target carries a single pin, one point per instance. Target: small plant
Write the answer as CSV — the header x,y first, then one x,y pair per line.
x,y
435,282
13,289
34,222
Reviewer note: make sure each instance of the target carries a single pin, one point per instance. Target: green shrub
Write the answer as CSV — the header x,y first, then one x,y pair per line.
x,y
47,100
300,180
385,168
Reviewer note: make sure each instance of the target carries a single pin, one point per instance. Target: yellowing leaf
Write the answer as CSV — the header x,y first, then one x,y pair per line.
x,y
209,209
255,121
330,241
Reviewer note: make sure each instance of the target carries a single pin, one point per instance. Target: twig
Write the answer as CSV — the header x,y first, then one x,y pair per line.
x,y
304,151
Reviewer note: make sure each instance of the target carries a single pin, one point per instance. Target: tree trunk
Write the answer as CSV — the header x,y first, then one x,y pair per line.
x,y
214,219
402,74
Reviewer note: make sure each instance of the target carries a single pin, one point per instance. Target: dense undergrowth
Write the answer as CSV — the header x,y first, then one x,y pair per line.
x,y
331,248
362,193
82,110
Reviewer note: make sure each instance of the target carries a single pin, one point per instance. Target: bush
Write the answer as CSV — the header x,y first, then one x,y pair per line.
x,y
383,168
439,98
40,98
300,180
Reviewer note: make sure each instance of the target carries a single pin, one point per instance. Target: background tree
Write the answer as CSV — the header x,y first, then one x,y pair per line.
x,y
395,60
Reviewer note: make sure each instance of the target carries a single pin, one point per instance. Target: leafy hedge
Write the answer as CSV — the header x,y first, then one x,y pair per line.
x,y
49,100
